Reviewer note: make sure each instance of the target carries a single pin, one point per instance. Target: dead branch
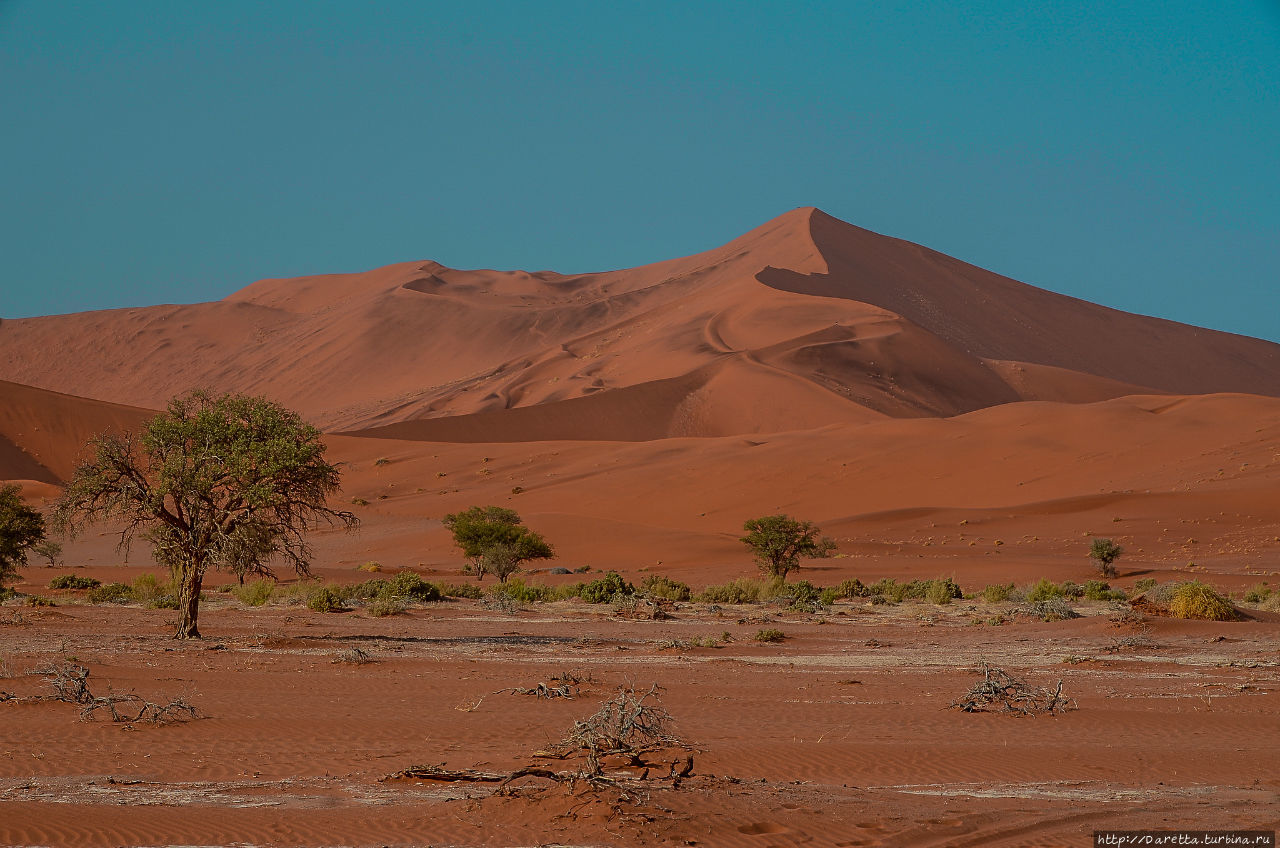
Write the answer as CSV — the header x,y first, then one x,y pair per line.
x,y
131,708
567,691
1000,691
71,684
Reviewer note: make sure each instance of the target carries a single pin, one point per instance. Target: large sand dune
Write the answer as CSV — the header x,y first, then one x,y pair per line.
x,y
802,322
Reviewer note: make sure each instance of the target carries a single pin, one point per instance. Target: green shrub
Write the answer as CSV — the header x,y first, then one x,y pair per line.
x,y
769,635
828,597
997,593
39,601
852,589
526,593
602,590
73,581
461,590
408,584
1257,594
1144,585
324,599
255,594
804,593
1197,600
1096,590
939,591
664,587
111,593
152,594
741,591
385,605
1043,591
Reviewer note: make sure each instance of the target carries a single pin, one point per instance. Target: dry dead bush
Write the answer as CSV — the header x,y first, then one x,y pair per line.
x,y
627,724
999,691
70,683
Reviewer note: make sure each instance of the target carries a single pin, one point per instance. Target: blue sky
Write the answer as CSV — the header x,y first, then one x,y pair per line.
x,y
174,152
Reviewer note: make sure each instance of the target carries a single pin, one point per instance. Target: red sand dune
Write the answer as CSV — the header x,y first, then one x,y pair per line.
x,y
810,320
43,434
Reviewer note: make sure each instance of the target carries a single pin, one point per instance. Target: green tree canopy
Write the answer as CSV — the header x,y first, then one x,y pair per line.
x,y
21,528
495,540
780,541
225,481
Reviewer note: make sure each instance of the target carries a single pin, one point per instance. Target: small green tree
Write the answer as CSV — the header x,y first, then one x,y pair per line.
x,y
495,540
780,541
1105,552
21,529
213,482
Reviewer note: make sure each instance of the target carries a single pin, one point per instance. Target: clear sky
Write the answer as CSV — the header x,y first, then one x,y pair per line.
x,y
158,151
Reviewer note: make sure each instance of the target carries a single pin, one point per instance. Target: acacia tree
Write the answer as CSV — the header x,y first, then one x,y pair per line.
x,y
495,540
779,541
21,528
213,482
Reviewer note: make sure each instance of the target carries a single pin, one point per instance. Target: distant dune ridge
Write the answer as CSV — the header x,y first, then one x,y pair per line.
x,y
803,322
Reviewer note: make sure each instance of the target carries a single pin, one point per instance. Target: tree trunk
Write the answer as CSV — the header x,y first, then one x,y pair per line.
x,y
190,579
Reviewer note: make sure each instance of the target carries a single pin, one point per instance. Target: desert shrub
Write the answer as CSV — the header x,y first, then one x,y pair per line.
x,y
324,599
73,581
602,590
516,589
461,590
38,601
997,593
409,584
827,597
384,605
255,594
370,566
741,591
1043,590
769,635
1197,600
1096,590
1257,594
111,593
363,592
1144,585
939,591
1055,608
803,592
664,587
852,589
151,593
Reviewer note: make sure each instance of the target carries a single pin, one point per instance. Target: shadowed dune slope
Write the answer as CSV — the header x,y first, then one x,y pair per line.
x,y
43,434
803,322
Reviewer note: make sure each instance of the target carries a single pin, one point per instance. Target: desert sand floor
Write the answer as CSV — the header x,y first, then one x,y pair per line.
x,y
840,735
